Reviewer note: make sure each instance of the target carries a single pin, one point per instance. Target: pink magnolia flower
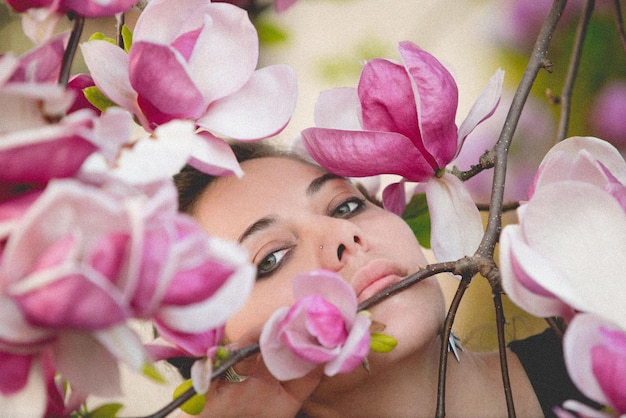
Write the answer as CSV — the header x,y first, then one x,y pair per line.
x,y
203,346
568,252
322,327
197,64
87,8
595,356
116,253
401,120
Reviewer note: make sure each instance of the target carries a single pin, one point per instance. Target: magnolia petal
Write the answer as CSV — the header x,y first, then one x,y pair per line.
x,y
112,130
201,375
166,91
151,158
354,350
124,344
31,400
226,52
17,333
8,64
583,333
42,64
213,156
483,108
261,108
108,66
394,198
338,108
436,96
330,286
282,363
456,225
576,158
15,372
214,311
571,223
37,155
87,364
366,153
98,8
389,109
522,270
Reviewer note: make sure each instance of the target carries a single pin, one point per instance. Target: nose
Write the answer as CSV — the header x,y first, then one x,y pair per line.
x,y
339,239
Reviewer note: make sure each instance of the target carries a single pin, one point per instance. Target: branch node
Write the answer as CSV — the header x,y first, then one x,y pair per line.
x,y
547,65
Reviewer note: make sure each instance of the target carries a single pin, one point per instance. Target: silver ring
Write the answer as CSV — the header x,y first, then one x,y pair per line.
x,y
232,376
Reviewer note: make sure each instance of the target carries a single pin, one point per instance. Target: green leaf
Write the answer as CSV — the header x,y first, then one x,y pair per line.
x,y
127,37
417,216
151,372
382,343
109,410
195,404
99,36
97,98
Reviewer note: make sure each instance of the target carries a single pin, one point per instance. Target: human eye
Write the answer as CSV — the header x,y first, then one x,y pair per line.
x,y
348,208
271,263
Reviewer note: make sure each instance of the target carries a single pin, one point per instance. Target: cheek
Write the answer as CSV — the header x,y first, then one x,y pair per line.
x,y
267,296
393,233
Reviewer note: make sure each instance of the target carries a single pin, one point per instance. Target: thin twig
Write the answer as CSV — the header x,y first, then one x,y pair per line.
x,y
538,59
557,324
423,273
506,381
572,70
443,355
70,51
620,23
486,161
235,357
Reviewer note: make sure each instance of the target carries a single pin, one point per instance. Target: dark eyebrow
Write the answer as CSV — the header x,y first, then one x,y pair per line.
x,y
267,221
256,227
317,183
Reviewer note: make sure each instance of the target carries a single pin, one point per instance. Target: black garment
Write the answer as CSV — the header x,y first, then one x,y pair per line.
x,y
542,358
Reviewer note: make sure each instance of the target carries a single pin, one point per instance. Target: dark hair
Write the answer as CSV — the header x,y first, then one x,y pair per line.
x,y
191,182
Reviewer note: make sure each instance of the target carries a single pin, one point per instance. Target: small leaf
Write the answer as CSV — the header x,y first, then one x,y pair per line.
x,y
99,36
127,37
97,98
382,343
109,410
148,370
417,217
195,404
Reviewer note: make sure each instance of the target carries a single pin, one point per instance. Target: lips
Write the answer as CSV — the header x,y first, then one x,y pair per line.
x,y
374,277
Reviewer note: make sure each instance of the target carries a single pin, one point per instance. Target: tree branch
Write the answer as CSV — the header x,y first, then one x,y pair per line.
x,y
70,51
572,71
443,355
538,60
486,161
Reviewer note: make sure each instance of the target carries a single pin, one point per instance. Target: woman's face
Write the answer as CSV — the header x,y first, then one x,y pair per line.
x,y
293,218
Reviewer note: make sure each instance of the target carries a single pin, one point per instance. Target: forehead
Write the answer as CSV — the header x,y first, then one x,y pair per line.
x,y
269,186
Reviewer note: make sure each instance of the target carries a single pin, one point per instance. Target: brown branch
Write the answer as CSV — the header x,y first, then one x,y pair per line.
x,y
70,51
424,273
572,71
506,381
485,162
443,355
119,26
620,23
537,61
235,357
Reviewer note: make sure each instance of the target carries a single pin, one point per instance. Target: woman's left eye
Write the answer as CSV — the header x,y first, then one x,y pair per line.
x,y
348,208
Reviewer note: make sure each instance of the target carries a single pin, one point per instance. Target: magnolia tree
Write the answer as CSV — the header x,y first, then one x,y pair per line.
x,y
91,238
